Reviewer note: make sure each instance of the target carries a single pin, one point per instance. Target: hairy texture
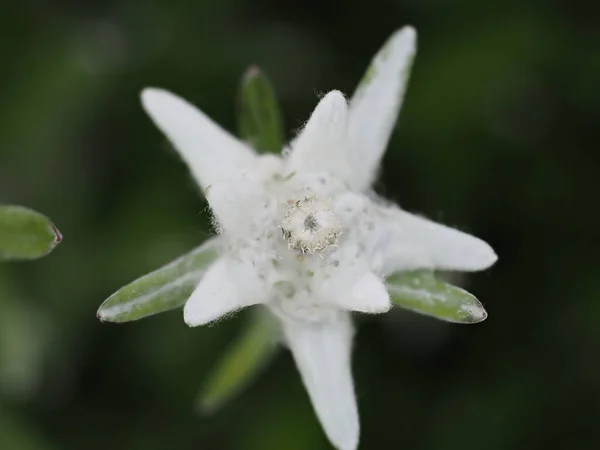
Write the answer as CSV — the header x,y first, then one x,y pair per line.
x,y
303,233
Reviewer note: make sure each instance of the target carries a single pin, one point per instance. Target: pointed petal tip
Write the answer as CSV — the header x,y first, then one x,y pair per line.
x,y
376,102
404,42
335,96
148,94
218,296
160,103
333,107
405,37
370,292
320,145
492,256
408,32
193,317
203,305
188,319
153,98
211,153
433,245
484,258
476,256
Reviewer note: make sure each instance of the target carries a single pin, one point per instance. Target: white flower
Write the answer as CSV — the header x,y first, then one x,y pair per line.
x,y
305,235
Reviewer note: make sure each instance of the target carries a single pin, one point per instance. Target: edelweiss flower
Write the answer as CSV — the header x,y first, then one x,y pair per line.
x,y
303,233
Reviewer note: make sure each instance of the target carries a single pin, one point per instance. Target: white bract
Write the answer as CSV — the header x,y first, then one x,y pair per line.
x,y
304,233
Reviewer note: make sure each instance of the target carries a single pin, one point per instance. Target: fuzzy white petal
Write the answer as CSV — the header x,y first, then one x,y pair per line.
x,y
234,204
369,295
375,105
351,284
407,242
227,286
211,153
322,352
322,144
365,293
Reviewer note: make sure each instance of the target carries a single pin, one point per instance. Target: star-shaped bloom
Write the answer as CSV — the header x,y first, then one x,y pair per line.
x,y
303,234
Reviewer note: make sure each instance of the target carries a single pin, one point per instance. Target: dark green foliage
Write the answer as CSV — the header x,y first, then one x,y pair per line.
x,y
497,137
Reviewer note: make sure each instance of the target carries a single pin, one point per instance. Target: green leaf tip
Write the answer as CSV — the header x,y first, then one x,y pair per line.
x,y
259,117
26,234
162,290
246,357
421,292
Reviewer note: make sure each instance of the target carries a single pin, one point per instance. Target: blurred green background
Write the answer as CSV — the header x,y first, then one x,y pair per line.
x,y
496,137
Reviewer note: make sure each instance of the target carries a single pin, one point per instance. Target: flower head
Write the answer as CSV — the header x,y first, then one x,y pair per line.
x,y
310,225
303,233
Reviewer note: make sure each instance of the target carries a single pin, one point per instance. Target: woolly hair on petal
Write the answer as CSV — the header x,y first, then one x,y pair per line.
x,y
366,293
234,205
352,285
322,353
374,107
321,145
409,242
212,154
227,286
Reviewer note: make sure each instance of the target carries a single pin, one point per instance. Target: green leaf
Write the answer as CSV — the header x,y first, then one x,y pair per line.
x,y
162,290
25,233
243,361
421,292
259,116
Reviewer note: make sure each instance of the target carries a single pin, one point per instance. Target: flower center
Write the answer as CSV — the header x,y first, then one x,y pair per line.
x,y
309,225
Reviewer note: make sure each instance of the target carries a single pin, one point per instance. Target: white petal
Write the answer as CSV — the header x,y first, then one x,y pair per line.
x,y
211,153
366,293
369,295
375,104
236,205
227,286
322,353
348,282
322,144
408,242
